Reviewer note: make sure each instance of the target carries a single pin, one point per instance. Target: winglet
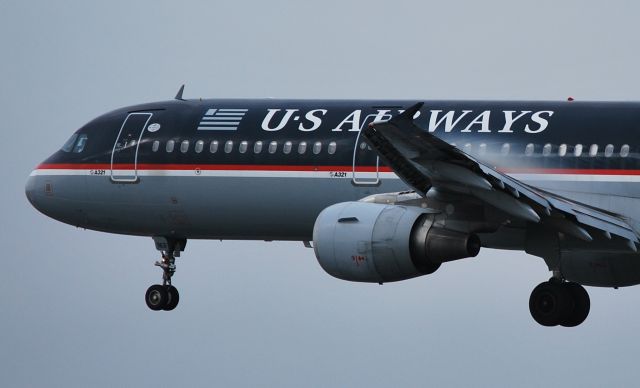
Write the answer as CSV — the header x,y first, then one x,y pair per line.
x,y
409,113
179,95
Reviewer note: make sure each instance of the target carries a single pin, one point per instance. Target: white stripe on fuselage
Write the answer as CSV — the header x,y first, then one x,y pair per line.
x,y
215,173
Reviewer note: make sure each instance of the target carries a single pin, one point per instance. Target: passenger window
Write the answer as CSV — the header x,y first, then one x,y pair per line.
x,y
332,148
69,144
608,150
155,146
257,148
546,150
184,146
467,148
82,140
317,147
243,147
287,147
577,151
528,151
228,146
483,149
170,145
506,147
562,150
593,150
624,151
273,147
199,146
213,147
302,147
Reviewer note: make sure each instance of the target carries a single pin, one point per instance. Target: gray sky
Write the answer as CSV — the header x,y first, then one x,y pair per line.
x,y
265,314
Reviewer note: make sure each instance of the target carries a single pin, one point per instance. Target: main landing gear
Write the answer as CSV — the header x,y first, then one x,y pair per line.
x,y
557,302
165,296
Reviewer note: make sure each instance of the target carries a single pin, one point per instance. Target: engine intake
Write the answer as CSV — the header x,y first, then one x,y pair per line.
x,y
368,242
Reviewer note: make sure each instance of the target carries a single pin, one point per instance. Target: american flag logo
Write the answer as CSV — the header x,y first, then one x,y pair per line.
x,y
221,119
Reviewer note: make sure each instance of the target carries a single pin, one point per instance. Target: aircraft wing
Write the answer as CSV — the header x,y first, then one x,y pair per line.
x,y
423,161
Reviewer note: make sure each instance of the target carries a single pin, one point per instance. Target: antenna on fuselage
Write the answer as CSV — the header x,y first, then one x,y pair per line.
x,y
179,95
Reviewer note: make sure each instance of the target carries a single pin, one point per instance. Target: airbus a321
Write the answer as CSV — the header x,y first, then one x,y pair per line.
x,y
382,190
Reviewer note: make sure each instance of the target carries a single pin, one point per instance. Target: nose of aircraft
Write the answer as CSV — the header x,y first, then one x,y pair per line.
x,y
57,196
31,191
40,193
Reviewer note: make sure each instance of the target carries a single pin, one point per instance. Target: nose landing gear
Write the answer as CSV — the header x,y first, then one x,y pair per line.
x,y
165,296
162,297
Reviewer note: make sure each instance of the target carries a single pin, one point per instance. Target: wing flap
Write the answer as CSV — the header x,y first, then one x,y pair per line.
x,y
424,161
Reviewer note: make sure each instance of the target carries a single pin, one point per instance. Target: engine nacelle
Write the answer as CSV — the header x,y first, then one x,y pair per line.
x,y
377,243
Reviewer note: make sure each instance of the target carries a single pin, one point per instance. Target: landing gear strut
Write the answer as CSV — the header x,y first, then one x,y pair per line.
x,y
561,303
165,296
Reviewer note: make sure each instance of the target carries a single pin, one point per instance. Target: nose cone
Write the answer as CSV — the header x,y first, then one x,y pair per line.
x,y
33,189
29,188
40,193
57,196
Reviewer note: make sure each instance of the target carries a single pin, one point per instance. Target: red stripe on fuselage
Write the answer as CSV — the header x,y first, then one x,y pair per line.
x,y
213,167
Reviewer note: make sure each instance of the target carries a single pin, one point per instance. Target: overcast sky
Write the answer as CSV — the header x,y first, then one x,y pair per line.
x,y
72,306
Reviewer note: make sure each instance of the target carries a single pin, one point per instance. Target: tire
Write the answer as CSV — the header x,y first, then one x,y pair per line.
x,y
581,305
550,303
156,297
174,298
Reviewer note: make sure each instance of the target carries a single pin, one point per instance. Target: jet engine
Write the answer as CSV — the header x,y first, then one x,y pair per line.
x,y
377,243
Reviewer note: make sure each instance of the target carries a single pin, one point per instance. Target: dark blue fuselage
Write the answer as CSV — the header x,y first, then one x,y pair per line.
x,y
264,169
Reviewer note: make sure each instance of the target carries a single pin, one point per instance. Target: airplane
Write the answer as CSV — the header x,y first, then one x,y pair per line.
x,y
382,191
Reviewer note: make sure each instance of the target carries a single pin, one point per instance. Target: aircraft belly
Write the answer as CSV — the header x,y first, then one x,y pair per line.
x,y
601,268
217,208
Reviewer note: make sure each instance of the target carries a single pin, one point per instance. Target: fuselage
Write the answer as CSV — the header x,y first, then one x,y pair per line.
x,y
264,169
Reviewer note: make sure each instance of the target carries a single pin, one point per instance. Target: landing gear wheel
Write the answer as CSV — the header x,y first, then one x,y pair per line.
x,y
581,305
165,296
550,303
156,297
174,298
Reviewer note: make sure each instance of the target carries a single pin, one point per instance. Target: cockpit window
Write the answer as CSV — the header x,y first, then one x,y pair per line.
x,y
75,143
82,141
68,146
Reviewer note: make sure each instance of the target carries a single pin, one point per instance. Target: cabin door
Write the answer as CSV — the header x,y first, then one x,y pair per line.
x,y
366,162
124,157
